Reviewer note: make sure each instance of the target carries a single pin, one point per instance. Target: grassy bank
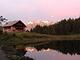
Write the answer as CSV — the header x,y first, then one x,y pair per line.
x,y
14,43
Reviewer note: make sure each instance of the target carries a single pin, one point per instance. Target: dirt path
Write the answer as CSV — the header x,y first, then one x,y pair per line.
x,y
3,55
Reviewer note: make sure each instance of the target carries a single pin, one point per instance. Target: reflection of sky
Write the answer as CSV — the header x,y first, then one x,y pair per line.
x,y
23,9
51,55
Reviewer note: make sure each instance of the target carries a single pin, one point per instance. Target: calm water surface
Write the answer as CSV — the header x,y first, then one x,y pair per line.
x,y
49,55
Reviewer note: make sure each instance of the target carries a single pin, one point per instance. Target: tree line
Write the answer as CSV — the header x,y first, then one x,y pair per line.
x,y
63,27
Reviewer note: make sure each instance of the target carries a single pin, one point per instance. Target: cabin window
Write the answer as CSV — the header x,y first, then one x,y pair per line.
x,y
19,26
8,27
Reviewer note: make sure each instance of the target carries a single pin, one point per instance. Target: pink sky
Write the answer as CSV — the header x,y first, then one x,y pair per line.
x,y
40,9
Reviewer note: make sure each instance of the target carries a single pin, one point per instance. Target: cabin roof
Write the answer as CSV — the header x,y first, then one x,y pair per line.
x,y
10,23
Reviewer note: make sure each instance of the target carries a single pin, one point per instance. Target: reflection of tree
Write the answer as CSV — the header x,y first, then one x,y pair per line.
x,y
65,46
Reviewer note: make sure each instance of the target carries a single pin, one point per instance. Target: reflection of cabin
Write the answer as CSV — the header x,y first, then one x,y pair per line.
x,y
14,26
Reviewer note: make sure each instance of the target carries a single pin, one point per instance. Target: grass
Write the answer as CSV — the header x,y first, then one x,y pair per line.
x,y
31,39
15,43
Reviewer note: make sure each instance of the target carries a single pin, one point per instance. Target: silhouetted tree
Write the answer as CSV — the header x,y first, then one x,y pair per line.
x,y
64,27
2,19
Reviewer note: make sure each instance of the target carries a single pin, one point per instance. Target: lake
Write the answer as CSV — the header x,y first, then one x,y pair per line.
x,y
49,54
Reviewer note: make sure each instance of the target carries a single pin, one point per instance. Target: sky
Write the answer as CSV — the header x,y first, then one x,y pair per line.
x,y
49,55
39,9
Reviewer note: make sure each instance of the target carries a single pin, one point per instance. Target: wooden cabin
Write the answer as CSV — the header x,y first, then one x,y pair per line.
x,y
14,26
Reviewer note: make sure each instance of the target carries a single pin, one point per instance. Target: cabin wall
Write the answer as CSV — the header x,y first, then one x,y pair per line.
x,y
7,29
13,29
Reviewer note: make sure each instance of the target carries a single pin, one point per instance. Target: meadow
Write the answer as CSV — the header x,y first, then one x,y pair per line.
x,y
14,44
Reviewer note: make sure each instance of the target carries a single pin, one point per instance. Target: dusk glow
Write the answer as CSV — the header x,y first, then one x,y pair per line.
x,y
39,9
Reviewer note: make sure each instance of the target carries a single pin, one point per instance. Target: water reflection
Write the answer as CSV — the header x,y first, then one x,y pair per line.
x,y
49,54
31,49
